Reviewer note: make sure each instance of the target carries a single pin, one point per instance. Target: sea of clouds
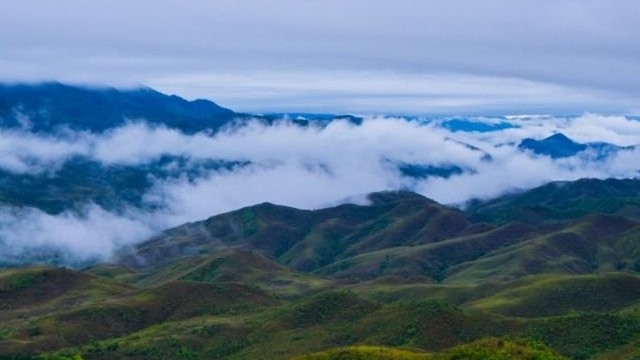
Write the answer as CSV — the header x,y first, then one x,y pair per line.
x,y
306,167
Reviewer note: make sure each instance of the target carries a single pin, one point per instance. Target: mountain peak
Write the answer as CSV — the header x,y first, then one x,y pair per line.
x,y
556,146
559,146
559,138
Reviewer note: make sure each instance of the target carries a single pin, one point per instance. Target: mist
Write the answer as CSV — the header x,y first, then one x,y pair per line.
x,y
305,167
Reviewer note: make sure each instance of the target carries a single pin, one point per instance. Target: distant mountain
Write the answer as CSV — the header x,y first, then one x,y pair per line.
x,y
305,119
559,146
419,171
81,181
47,106
475,125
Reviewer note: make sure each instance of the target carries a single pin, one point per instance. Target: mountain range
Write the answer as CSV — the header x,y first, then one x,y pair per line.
x,y
551,272
49,106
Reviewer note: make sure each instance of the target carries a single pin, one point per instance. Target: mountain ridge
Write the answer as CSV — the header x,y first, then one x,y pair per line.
x,y
559,146
45,107
405,234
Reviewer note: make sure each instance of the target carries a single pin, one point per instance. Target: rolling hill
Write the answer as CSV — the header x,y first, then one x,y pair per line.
x,y
400,277
406,235
563,200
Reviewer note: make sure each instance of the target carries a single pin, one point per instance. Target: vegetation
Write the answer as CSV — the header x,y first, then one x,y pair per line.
x,y
366,352
497,349
402,278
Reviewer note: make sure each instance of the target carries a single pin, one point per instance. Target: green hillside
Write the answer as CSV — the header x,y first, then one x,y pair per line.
x,y
400,278
562,200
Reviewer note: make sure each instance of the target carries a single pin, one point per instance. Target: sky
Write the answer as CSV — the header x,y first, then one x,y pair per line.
x,y
340,56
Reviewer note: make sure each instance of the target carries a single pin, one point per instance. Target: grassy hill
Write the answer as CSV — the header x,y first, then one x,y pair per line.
x,y
558,201
400,278
308,240
404,235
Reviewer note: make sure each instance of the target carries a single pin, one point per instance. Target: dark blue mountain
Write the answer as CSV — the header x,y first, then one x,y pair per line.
x,y
471,125
559,146
305,119
420,171
81,181
47,106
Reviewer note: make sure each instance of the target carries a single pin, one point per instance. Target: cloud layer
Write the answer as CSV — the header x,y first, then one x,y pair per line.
x,y
306,167
332,55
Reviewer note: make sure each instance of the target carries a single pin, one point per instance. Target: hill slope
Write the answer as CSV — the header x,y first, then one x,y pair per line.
x,y
401,277
406,235
308,240
558,201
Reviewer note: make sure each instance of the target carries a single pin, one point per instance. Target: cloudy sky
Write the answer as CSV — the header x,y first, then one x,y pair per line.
x,y
359,56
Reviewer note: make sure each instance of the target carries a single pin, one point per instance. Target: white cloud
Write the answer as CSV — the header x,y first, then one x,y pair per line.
x,y
398,92
93,234
305,167
257,56
24,152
